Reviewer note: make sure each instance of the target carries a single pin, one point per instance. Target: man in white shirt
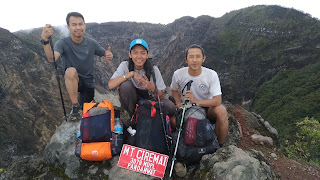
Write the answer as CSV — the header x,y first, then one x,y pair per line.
x,y
205,90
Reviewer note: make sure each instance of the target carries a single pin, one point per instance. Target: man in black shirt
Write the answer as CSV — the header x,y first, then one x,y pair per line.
x,y
77,52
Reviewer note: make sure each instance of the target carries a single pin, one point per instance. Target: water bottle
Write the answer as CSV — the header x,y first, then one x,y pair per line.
x,y
117,136
116,143
118,127
78,134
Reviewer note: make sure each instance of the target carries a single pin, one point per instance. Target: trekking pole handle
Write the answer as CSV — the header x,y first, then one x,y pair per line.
x,y
54,58
50,42
189,85
188,89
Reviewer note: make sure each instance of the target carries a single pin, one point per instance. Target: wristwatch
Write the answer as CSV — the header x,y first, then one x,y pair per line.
x,y
44,42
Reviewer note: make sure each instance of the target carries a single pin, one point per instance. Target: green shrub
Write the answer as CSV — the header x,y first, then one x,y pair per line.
x,y
307,144
289,97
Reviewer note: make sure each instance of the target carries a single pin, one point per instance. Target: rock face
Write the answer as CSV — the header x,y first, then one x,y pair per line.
x,y
30,107
60,150
232,163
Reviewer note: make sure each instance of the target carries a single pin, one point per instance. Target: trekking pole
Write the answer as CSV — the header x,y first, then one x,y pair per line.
x,y
163,124
180,128
58,78
161,113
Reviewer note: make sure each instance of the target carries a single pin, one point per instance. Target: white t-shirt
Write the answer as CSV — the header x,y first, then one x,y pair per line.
x,y
123,68
205,86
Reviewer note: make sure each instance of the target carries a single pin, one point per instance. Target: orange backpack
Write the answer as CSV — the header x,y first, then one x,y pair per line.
x,y
107,104
104,149
96,151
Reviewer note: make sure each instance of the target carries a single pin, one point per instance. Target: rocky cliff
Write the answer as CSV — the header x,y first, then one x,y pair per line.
x,y
30,106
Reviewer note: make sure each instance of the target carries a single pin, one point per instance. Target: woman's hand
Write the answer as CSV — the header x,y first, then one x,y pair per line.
x,y
138,77
144,81
148,84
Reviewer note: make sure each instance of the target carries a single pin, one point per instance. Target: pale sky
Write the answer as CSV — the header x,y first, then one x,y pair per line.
x,y
26,14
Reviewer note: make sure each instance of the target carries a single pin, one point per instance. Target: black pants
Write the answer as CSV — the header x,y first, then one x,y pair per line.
x,y
86,93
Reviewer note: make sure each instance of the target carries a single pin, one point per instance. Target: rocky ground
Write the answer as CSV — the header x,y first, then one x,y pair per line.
x,y
60,151
285,167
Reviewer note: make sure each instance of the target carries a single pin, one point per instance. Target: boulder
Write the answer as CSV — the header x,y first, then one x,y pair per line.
x,y
60,154
61,149
232,163
259,139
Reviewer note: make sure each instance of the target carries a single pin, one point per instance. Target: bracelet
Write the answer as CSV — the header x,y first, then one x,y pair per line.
x,y
44,42
124,77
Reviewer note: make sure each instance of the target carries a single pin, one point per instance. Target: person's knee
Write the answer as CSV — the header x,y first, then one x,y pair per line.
x,y
219,113
128,96
222,112
169,106
126,86
71,72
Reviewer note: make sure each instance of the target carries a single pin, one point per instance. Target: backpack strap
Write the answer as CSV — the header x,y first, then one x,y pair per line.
x,y
94,106
161,112
87,107
134,116
153,109
154,80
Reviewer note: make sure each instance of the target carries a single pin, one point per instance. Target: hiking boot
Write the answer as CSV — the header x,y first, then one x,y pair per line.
x,y
75,113
181,169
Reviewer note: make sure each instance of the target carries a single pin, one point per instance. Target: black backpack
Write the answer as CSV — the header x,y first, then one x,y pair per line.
x,y
197,137
152,123
151,131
